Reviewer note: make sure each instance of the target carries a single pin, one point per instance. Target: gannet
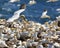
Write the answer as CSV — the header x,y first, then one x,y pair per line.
x,y
31,2
2,43
14,1
56,44
44,14
14,46
52,0
20,43
17,13
58,10
58,18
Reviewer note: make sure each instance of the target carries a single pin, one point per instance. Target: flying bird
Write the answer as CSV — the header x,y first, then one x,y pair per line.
x,y
44,14
17,13
12,1
31,2
52,0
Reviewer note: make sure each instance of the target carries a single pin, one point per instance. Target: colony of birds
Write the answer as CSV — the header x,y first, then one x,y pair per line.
x,y
28,34
22,33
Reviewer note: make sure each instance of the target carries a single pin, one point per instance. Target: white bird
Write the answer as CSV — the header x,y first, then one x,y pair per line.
x,y
17,13
58,10
2,26
40,46
14,46
56,44
52,0
44,14
20,43
12,1
58,18
2,43
31,2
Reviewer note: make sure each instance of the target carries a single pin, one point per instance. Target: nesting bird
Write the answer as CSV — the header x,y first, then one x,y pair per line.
x,y
17,13
57,44
2,43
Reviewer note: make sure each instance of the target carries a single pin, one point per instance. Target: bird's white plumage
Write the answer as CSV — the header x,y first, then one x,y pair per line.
x,y
16,15
14,1
2,43
58,10
56,44
58,18
32,2
52,0
44,15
